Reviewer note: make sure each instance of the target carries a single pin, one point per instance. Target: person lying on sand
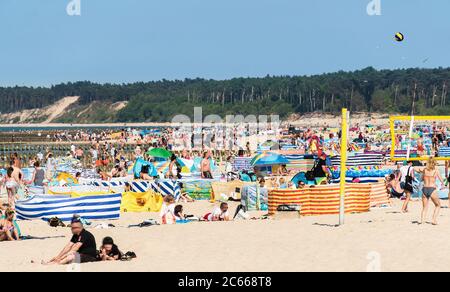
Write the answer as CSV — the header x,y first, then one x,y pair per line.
x,y
8,231
219,214
109,251
82,247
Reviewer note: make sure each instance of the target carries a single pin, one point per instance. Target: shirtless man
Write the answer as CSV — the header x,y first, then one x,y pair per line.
x,y
205,166
17,174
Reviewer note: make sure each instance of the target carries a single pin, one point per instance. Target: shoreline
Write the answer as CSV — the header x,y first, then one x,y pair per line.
x,y
311,119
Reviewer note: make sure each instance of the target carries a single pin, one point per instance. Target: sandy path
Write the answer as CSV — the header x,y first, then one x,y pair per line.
x,y
309,244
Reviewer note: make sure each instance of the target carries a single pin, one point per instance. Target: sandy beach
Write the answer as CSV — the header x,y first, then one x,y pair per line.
x,y
382,239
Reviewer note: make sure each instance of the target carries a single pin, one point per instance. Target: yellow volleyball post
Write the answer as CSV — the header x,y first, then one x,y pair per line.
x,y
344,145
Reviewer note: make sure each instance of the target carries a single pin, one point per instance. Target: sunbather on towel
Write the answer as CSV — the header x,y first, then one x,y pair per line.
x,y
81,248
218,214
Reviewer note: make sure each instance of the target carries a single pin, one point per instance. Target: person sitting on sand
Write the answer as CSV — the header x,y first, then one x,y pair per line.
x,y
8,231
168,210
103,175
178,213
127,187
430,191
82,248
283,184
320,169
393,185
144,173
300,185
109,251
218,214
283,170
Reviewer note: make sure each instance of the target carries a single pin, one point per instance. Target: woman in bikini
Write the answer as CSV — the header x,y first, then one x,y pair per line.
x,y
12,186
8,231
430,175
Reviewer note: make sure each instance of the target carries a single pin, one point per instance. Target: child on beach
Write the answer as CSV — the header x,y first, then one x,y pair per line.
x,y
168,210
109,251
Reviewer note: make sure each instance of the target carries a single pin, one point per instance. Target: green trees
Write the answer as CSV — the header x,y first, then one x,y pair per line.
x,y
403,91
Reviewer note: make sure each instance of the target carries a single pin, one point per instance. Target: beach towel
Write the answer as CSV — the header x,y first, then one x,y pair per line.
x,y
141,202
242,163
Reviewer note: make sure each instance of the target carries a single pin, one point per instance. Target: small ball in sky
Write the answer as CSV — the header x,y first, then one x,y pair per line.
x,y
399,37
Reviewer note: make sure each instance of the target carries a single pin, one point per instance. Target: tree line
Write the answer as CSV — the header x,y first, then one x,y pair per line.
x,y
417,91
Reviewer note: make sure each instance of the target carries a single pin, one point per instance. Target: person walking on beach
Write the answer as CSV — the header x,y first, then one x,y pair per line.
x,y
447,177
430,190
206,166
38,175
12,186
406,183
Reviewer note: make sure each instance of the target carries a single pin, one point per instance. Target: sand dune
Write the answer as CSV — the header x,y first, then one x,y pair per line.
x,y
49,113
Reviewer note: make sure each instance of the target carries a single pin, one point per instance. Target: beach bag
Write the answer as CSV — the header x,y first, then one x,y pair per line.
x,y
409,181
56,222
289,208
309,175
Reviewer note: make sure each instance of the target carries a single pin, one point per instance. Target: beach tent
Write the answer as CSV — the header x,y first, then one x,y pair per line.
x,y
140,164
269,158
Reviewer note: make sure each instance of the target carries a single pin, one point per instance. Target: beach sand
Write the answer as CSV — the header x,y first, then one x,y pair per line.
x,y
382,239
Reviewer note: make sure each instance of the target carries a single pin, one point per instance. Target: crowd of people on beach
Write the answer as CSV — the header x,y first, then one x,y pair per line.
x,y
108,157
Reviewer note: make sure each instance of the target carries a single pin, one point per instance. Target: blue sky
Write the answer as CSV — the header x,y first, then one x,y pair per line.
x,y
140,40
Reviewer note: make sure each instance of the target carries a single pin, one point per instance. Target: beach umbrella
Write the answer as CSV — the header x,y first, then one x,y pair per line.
x,y
272,145
269,158
159,153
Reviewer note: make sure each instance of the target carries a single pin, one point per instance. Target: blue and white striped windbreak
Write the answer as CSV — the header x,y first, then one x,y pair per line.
x,y
163,187
359,160
100,183
104,207
444,152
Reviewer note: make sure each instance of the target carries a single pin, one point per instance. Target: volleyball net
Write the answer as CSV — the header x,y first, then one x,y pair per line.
x,y
417,138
